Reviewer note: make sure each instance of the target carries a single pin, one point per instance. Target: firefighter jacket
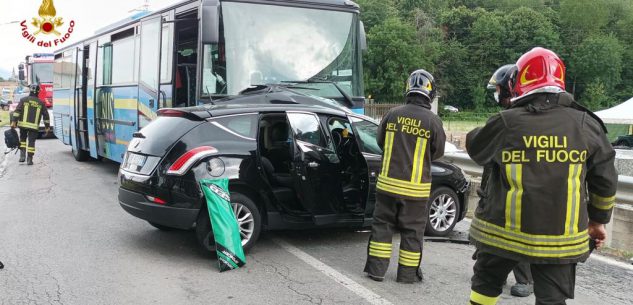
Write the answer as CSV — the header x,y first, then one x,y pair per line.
x,y
411,136
551,170
29,112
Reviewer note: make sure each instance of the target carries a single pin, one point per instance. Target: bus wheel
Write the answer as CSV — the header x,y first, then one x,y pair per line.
x,y
79,154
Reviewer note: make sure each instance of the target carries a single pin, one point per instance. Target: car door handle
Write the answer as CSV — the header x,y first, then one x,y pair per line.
x,y
313,164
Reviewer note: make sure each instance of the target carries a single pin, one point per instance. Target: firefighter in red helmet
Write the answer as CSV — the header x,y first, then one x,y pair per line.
x,y
552,187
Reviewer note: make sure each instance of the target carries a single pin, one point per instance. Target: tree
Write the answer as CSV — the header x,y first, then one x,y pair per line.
x,y
526,29
597,59
596,97
375,12
394,52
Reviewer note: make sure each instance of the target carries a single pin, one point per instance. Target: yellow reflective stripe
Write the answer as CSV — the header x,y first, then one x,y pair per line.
x,y
25,115
534,251
379,254
402,191
387,154
513,196
27,125
418,161
602,203
409,263
16,114
482,299
530,239
385,252
37,115
404,183
410,254
380,247
573,199
377,243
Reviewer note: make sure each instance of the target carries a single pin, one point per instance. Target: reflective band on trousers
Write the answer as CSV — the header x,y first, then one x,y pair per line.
x,y
418,160
387,155
514,174
409,259
528,250
378,249
481,299
602,203
573,199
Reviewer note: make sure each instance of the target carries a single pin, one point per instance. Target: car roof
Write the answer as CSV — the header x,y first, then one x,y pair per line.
x,y
229,108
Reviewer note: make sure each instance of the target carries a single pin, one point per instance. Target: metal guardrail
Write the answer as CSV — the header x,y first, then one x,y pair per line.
x,y
624,194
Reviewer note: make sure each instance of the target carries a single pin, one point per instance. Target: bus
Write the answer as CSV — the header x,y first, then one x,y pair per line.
x,y
111,85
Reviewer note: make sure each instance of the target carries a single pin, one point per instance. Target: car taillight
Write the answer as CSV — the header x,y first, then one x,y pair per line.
x,y
156,200
187,160
171,112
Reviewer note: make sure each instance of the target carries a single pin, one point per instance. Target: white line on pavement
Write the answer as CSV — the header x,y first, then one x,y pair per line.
x,y
348,283
610,261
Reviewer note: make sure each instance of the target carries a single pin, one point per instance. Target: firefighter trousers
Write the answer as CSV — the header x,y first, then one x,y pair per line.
x,y
553,283
407,216
522,273
27,140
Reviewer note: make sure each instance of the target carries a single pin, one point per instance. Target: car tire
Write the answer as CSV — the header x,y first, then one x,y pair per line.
x,y
443,212
161,227
245,209
5,108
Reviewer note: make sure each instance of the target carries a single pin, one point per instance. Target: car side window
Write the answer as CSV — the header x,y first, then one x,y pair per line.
x,y
367,132
244,126
306,128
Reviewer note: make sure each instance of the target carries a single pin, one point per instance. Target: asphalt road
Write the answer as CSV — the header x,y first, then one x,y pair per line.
x,y
65,240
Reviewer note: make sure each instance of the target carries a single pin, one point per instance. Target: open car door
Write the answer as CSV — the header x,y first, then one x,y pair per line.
x,y
365,132
316,169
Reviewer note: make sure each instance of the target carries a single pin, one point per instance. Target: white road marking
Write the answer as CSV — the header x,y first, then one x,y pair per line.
x,y
610,261
345,281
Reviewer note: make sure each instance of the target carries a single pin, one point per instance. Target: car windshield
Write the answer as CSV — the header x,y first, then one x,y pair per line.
x,y
271,44
42,73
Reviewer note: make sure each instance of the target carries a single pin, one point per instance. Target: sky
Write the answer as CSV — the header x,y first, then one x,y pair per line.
x,y
88,15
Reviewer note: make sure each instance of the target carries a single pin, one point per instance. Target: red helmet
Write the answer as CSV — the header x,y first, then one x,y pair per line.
x,y
538,68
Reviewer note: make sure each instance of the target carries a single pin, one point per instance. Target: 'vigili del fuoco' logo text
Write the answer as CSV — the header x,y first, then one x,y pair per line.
x,y
47,25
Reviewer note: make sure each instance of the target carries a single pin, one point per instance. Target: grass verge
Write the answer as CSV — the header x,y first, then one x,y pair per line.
x,y
4,117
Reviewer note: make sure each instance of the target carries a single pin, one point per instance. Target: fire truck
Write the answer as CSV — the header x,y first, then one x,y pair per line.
x,y
36,69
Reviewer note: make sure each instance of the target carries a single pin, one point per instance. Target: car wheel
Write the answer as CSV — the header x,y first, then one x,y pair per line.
x,y
5,108
444,210
161,227
248,219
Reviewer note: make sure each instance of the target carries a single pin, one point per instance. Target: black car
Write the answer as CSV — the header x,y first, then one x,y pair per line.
x,y
624,141
290,166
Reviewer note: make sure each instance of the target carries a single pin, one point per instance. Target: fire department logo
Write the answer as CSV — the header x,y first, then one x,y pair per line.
x,y
48,23
48,20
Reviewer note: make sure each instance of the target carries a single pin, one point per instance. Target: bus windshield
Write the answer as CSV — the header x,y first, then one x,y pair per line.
x,y
269,44
42,73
